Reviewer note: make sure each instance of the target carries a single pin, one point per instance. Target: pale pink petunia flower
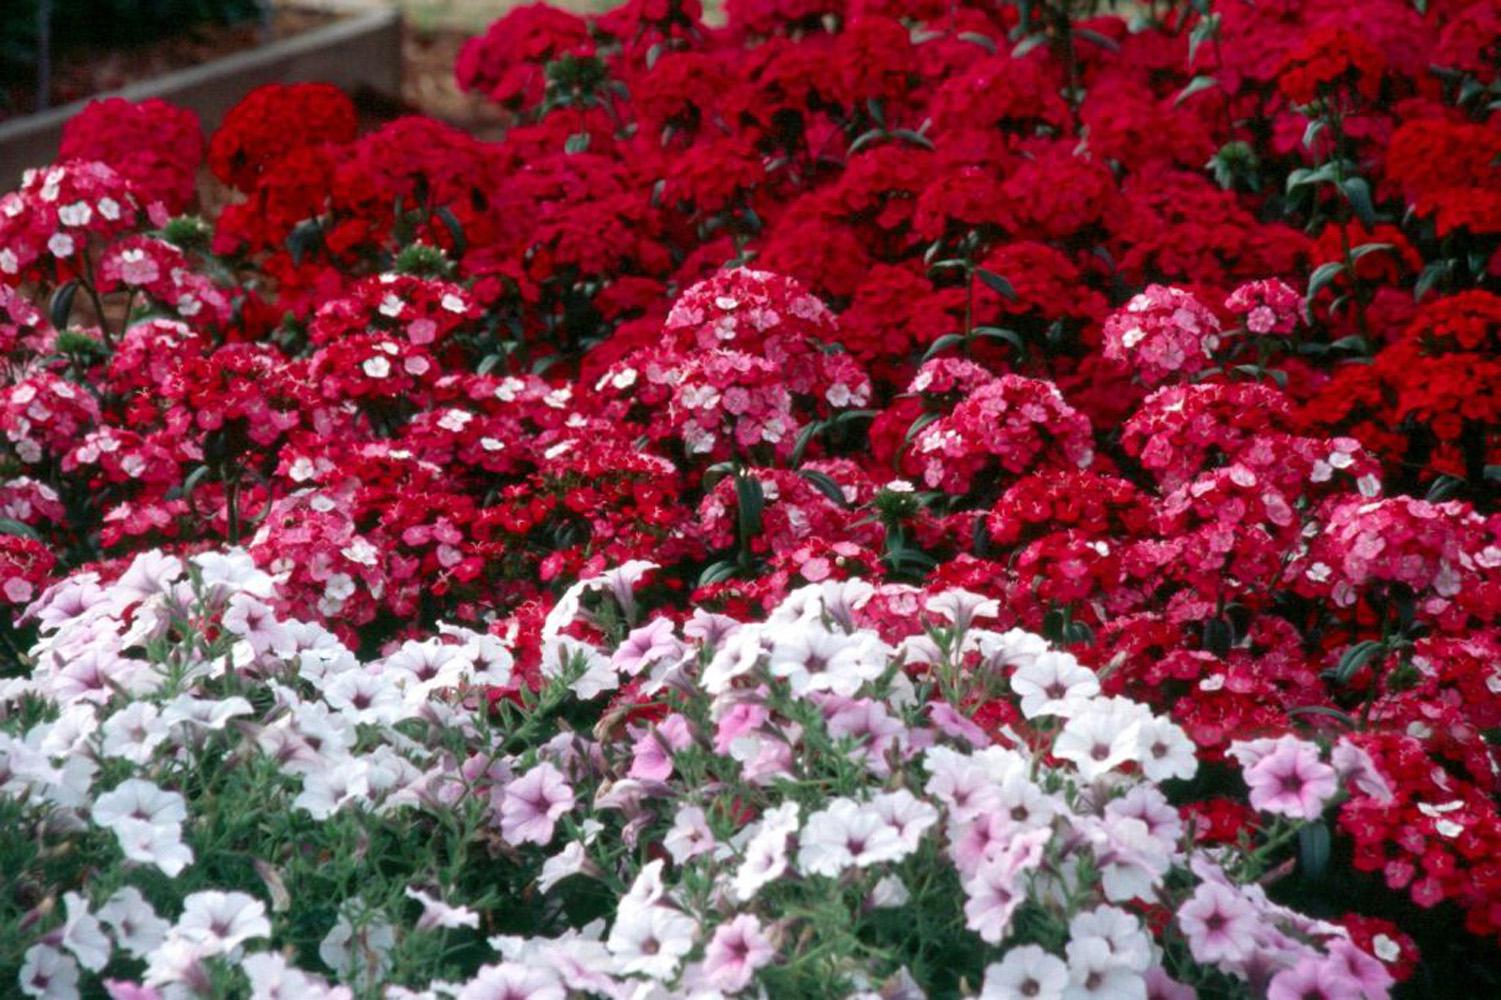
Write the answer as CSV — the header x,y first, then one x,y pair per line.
x,y
1219,923
740,719
1366,970
690,835
736,951
533,803
646,645
1353,764
652,754
1161,986
1291,780
1315,977
997,889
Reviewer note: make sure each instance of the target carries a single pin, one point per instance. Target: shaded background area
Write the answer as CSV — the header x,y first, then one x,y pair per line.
x,y
96,46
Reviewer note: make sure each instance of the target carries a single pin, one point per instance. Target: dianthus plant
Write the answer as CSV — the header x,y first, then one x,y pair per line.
x,y
200,798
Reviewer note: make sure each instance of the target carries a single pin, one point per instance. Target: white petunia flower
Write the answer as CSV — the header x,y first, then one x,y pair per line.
x,y
1053,683
327,790
436,913
651,940
48,973
134,732
271,978
513,981
149,844
204,713
366,698
847,835
1103,736
1026,971
363,953
82,934
137,927
222,921
142,801
1166,751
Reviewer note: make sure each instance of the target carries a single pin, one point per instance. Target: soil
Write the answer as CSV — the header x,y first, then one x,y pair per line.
x,y
428,85
81,72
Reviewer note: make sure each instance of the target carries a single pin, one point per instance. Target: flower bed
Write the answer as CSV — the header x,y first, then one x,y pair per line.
x,y
888,499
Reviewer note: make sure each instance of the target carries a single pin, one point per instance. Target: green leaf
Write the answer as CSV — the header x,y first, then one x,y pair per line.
x,y
1077,633
1001,333
1358,193
9,526
997,284
1196,85
919,424
1207,28
850,416
1311,133
825,484
61,307
1366,248
915,138
1431,276
304,237
455,230
975,38
578,142
1322,275
1356,657
1303,176
185,491
1103,41
902,555
1313,849
942,344
866,138
1256,372
716,572
1217,637
1443,488
804,437
1027,45
750,500
1332,713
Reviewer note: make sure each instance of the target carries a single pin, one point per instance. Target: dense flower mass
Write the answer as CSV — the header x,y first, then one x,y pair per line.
x,y
867,498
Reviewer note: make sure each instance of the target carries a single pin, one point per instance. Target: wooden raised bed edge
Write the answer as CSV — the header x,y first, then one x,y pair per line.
x,y
362,52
